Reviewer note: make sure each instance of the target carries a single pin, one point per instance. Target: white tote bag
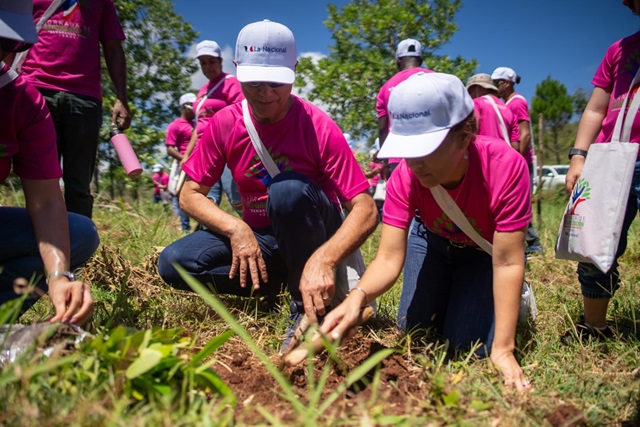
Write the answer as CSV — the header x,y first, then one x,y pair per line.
x,y
592,222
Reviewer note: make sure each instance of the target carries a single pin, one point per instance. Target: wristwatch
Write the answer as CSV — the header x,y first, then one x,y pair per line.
x,y
69,275
577,151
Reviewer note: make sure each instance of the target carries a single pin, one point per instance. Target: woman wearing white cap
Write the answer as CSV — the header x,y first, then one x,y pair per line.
x,y
223,89
41,241
462,293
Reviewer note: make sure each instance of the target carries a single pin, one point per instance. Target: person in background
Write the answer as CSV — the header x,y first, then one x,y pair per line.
x,y
373,174
179,134
42,242
612,81
409,62
291,230
160,184
505,79
65,67
223,89
462,293
484,94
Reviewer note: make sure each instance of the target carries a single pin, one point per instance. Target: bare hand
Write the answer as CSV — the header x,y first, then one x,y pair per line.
x,y
72,300
317,287
574,172
247,257
121,115
506,363
342,320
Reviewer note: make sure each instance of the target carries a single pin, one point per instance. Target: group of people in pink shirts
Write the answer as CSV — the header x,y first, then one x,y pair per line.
x,y
455,157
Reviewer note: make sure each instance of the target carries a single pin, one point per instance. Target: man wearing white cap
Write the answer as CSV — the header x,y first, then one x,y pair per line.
x,y
160,183
179,134
463,293
65,67
409,62
505,79
292,231
42,241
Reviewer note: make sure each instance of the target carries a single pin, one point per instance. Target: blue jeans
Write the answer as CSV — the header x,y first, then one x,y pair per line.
x,y
228,185
302,219
77,120
184,218
594,283
447,288
19,255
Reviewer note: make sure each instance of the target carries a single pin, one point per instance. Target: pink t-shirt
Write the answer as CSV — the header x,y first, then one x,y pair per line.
x,y
615,74
161,178
67,54
488,122
520,109
28,138
306,140
494,194
385,92
179,134
229,92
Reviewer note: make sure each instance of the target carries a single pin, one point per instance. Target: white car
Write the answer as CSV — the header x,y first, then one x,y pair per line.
x,y
553,177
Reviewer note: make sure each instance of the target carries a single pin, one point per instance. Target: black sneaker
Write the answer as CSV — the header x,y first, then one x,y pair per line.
x,y
583,332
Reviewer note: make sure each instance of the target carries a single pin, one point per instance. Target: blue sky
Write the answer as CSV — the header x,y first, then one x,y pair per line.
x,y
565,39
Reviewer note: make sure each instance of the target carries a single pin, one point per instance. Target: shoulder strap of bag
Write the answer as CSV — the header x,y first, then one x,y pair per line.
x,y
201,103
20,57
264,155
516,96
624,122
7,77
503,127
449,206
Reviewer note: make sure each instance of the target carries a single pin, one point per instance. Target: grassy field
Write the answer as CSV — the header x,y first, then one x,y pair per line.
x,y
159,369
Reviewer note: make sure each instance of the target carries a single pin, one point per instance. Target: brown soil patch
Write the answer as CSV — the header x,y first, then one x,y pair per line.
x,y
254,386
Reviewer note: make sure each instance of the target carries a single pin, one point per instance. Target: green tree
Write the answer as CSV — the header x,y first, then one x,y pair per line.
x,y
556,105
158,72
580,100
362,58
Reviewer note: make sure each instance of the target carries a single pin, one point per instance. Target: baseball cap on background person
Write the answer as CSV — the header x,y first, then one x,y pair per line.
x,y
209,48
187,98
409,47
483,80
157,167
266,51
422,110
504,73
16,21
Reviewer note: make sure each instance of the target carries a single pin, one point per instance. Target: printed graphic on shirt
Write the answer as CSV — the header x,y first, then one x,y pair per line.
x,y
257,170
68,26
444,226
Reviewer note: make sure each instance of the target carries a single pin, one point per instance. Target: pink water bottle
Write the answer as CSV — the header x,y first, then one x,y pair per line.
x,y
125,152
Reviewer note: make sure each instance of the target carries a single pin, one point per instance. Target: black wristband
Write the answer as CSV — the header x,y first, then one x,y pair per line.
x,y
577,151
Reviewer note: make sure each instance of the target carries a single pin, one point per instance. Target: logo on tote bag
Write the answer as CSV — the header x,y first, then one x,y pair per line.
x,y
581,193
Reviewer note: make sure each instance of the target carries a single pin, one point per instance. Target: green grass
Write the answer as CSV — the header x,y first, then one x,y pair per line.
x,y
600,380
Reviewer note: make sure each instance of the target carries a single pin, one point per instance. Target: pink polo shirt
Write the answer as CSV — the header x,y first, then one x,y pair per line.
x,y
520,109
488,121
306,140
67,54
28,138
494,194
229,92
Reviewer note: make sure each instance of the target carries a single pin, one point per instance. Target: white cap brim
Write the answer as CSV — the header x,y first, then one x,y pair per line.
x,y
256,73
412,146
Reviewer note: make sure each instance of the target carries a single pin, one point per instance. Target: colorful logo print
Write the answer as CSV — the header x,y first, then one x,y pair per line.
x,y
581,193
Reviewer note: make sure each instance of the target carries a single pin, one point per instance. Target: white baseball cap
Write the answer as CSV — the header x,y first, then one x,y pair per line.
x,y
16,21
187,98
157,167
504,73
422,110
409,47
266,51
208,47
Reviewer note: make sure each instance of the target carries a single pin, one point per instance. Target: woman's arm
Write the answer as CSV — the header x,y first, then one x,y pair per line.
x,y
508,275
590,125
45,205
379,277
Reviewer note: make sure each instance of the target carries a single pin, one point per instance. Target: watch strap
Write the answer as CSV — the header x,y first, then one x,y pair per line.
x,y
577,151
